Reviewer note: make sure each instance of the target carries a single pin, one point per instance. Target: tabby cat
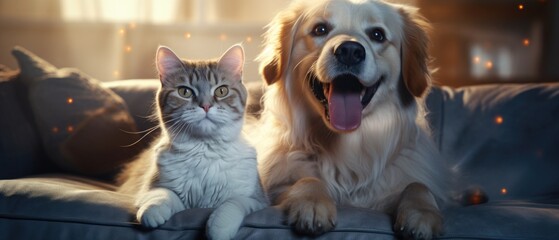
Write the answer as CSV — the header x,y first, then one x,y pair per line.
x,y
201,159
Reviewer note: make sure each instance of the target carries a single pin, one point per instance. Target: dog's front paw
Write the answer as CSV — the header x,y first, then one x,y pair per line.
x,y
415,223
309,208
312,216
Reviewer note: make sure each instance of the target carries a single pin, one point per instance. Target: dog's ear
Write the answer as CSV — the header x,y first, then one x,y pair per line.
x,y
278,41
415,62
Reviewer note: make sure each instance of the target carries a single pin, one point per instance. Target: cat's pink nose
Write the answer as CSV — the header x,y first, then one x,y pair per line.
x,y
206,107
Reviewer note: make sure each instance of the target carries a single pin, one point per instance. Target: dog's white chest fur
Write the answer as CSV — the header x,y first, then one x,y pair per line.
x,y
358,173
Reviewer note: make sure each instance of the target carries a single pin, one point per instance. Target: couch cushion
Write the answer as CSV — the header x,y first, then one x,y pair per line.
x,y
65,207
352,223
84,127
502,137
505,219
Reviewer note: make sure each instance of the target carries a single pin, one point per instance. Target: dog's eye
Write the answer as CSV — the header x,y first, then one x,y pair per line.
x,y
320,29
377,35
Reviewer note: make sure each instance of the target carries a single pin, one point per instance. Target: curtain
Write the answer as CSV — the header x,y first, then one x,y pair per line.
x,y
113,40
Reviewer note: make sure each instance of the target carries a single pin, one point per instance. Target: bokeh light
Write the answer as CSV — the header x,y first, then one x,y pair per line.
x,y
499,120
504,191
489,64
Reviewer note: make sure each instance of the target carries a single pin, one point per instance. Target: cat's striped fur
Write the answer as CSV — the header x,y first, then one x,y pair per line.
x,y
200,160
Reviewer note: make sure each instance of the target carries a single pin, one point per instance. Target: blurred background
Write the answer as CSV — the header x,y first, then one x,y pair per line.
x,y
474,41
483,41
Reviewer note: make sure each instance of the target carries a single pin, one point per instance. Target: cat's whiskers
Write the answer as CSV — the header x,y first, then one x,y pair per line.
x,y
147,132
141,138
187,128
176,131
140,132
175,122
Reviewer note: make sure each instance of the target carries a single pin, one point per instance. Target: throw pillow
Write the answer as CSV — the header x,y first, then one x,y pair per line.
x,y
84,127
21,152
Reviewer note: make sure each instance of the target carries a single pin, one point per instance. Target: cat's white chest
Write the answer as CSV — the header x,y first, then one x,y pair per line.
x,y
205,176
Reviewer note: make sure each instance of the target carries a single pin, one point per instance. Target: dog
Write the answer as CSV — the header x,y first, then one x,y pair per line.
x,y
343,120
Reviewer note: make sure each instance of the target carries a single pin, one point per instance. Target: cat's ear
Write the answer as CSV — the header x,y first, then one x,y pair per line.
x,y
166,61
232,61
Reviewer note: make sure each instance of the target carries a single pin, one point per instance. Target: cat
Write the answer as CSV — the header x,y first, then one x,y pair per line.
x,y
201,159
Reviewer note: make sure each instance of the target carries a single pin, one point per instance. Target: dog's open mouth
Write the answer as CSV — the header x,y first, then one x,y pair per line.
x,y
344,100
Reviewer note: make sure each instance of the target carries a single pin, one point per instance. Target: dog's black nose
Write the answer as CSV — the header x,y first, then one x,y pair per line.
x,y
350,53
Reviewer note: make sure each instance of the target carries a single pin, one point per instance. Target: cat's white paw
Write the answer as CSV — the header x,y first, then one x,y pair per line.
x,y
153,215
216,231
221,233
225,221
157,206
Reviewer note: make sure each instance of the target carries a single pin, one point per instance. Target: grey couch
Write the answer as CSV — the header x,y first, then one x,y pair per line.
x,y
502,138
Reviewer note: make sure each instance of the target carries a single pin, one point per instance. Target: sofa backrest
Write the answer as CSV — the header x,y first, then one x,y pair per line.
x,y
502,137
139,95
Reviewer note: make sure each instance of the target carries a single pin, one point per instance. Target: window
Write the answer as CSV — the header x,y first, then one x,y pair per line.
x,y
162,11
171,11
487,41
117,39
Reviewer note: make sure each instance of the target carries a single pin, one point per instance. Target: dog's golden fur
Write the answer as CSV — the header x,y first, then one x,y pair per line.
x,y
388,162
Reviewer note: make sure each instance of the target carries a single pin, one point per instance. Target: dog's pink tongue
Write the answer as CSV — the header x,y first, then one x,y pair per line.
x,y
345,108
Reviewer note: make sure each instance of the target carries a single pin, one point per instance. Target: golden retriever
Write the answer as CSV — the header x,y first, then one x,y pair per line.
x,y
343,122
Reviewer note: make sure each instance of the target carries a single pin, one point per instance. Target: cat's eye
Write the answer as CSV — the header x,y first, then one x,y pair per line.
x,y
185,92
221,91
